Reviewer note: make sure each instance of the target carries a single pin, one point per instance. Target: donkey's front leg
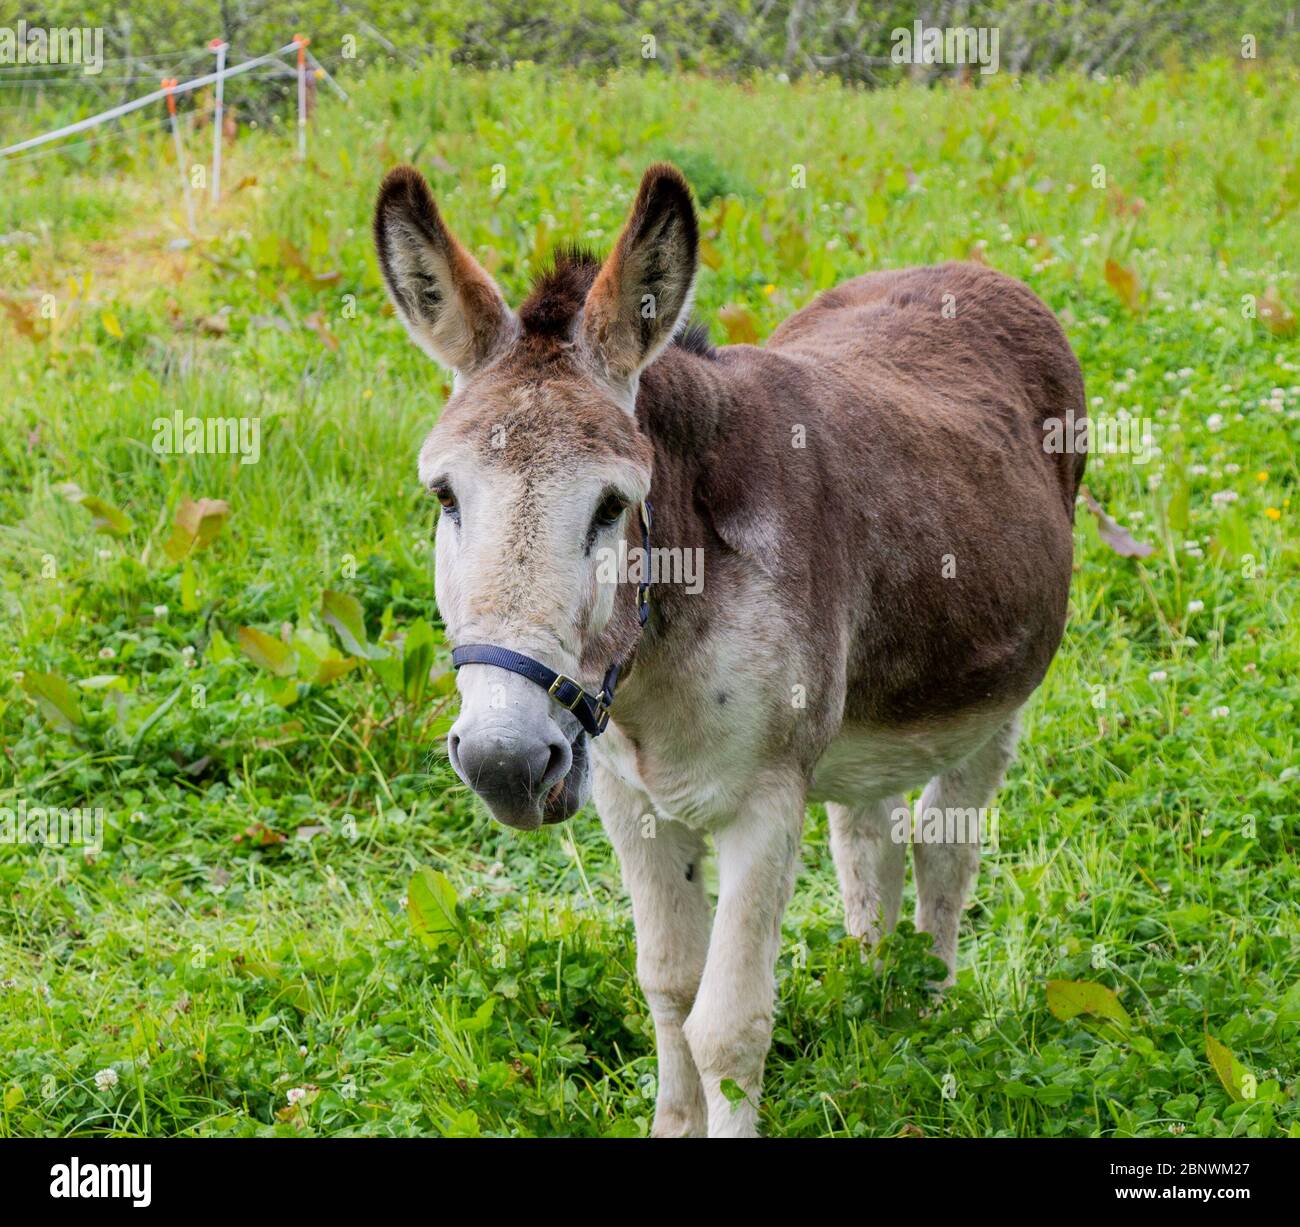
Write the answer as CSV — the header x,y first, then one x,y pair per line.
x,y
730,1026
663,870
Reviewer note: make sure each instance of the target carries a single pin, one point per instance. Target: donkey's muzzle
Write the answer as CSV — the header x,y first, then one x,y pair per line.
x,y
515,773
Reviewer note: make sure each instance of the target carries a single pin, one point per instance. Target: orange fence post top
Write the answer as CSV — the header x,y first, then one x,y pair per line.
x,y
169,84
216,44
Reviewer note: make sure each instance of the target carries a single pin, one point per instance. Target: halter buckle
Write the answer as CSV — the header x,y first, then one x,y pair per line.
x,y
556,686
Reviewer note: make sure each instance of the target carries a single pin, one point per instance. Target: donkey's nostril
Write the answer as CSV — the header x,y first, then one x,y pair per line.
x,y
511,772
558,767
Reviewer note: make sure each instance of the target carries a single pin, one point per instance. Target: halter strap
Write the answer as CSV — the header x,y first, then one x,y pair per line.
x,y
591,710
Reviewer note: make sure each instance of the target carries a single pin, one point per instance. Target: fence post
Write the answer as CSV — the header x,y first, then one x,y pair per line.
x,y
219,46
169,84
302,40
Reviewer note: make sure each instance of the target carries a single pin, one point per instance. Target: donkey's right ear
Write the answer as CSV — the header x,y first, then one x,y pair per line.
x,y
449,304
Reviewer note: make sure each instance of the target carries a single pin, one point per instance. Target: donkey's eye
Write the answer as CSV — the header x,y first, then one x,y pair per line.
x,y
447,500
609,509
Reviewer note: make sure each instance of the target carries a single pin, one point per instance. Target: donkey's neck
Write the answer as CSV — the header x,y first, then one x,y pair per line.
x,y
686,405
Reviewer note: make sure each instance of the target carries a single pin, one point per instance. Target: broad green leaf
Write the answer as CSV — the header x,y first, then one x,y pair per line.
x,y
343,612
14,1095
1237,1080
108,519
218,649
103,681
333,668
431,904
266,652
388,669
56,700
733,1092
417,660
1289,1009
481,1017
1069,998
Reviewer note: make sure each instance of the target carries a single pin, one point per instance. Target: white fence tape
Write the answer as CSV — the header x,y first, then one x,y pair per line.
x,y
126,108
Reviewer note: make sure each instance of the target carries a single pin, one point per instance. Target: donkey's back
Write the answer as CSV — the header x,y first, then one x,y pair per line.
x,y
963,332
941,524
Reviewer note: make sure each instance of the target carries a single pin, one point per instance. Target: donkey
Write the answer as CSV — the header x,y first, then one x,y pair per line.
x,y
886,547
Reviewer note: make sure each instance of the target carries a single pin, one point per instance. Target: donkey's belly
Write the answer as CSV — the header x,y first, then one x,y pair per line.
x,y
866,763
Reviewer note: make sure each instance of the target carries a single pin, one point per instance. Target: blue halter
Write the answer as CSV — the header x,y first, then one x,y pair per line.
x,y
591,710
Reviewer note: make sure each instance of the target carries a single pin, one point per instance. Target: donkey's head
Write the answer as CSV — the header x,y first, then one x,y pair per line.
x,y
540,469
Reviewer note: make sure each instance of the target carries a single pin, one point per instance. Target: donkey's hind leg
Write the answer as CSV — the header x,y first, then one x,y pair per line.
x,y
946,848
870,863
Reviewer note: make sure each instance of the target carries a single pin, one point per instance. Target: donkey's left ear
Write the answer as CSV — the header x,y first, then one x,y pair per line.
x,y
449,304
643,291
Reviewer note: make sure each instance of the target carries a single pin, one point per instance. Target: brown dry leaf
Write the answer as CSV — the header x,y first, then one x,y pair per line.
x,y
22,317
710,256
293,258
316,322
215,325
259,835
739,323
1124,282
1113,533
196,525
1274,313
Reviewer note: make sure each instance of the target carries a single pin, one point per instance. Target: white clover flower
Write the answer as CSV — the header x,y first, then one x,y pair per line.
x,y
160,611
106,653
1195,607
1221,498
106,1079
1220,713
1157,675
296,1094
1214,422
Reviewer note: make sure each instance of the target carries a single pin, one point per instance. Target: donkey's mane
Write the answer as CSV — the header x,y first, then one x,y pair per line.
x,y
560,290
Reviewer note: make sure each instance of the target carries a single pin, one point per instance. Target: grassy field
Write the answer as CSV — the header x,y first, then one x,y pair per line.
x,y
271,910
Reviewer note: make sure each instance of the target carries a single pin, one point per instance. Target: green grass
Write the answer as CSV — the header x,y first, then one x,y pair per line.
x,y
244,931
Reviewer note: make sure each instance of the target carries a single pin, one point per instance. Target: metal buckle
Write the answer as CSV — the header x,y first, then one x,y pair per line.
x,y
554,688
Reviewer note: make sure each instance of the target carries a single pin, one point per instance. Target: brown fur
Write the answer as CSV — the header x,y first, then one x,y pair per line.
x,y
923,442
